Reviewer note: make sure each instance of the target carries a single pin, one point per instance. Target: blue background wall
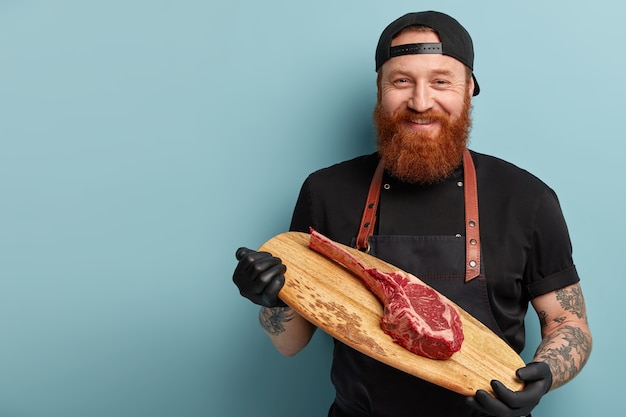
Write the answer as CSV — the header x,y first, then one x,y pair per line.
x,y
142,142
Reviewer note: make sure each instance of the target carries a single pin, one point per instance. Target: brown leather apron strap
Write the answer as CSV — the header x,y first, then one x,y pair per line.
x,y
472,231
368,220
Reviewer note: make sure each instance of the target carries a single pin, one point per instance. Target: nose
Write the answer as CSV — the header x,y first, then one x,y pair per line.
x,y
421,99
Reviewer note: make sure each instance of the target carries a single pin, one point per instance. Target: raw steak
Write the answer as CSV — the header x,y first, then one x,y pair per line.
x,y
417,317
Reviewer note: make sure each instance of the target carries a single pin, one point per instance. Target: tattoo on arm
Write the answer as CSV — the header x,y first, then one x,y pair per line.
x,y
543,318
272,319
566,352
566,349
572,301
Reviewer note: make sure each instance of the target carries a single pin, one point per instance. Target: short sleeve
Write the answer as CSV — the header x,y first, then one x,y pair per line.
x,y
550,266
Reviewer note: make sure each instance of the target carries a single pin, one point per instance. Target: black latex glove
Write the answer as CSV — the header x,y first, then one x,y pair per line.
x,y
259,276
507,403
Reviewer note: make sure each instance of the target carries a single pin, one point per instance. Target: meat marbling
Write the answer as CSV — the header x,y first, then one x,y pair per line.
x,y
414,315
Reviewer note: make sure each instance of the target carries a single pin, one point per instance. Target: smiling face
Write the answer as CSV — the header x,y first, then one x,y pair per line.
x,y
422,115
423,82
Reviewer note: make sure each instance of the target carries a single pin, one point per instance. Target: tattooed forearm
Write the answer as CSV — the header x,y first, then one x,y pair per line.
x,y
272,319
566,343
566,351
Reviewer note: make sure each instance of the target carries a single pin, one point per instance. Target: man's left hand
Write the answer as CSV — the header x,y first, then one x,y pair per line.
x,y
507,403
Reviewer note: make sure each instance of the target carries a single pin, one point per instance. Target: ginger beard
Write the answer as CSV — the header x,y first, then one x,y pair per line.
x,y
416,157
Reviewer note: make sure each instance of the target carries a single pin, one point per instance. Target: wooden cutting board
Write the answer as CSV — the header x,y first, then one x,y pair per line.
x,y
336,301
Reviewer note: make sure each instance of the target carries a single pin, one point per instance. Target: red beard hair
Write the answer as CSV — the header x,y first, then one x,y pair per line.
x,y
415,157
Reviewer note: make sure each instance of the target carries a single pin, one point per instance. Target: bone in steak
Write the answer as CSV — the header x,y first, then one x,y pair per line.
x,y
416,317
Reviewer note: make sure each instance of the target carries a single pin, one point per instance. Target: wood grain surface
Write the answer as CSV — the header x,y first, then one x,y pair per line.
x,y
336,301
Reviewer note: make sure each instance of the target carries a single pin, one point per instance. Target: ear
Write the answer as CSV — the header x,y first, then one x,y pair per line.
x,y
470,88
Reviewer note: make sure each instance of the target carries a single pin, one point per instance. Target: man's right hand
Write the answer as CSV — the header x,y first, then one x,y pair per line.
x,y
259,277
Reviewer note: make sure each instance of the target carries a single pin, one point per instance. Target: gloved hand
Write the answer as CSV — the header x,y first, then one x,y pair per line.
x,y
259,276
507,403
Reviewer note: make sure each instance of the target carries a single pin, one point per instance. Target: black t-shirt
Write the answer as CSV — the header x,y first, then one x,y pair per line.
x,y
525,243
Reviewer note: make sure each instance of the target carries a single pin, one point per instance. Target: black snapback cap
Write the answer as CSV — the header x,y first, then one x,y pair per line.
x,y
455,40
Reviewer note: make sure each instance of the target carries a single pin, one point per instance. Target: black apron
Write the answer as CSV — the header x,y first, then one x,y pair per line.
x,y
366,387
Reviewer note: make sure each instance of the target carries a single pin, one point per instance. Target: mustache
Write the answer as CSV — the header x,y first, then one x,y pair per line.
x,y
409,115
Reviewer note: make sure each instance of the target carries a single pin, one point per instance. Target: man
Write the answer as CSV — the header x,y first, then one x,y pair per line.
x,y
515,252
